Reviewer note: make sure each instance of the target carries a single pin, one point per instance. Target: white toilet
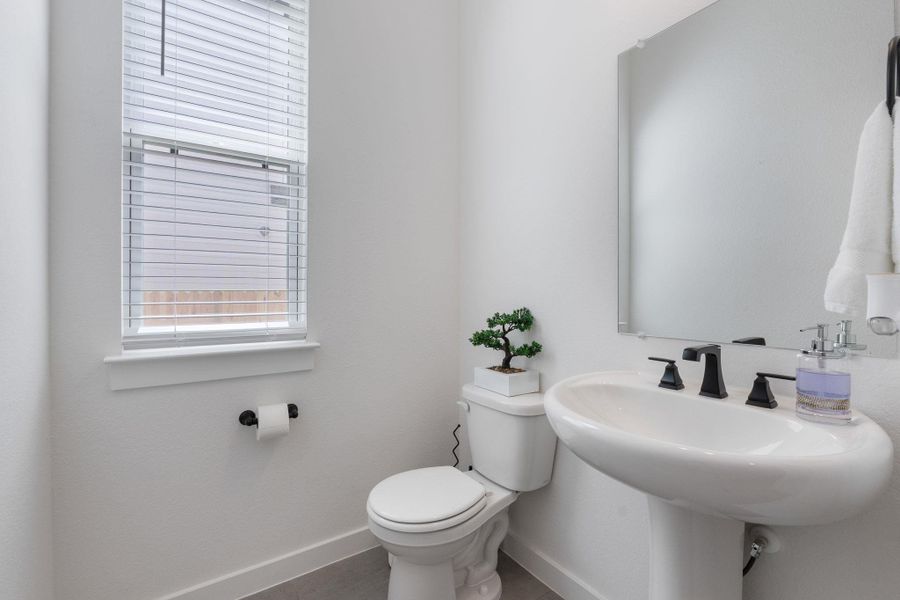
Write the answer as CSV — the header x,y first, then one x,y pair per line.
x,y
443,527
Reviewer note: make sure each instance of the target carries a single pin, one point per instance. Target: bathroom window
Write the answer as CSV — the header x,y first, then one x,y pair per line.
x,y
214,203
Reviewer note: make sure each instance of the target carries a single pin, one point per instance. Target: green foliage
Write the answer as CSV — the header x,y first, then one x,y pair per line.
x,y
489,338
528,350
497,336
520,319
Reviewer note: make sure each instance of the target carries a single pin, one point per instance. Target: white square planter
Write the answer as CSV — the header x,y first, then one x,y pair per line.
x,y
508,384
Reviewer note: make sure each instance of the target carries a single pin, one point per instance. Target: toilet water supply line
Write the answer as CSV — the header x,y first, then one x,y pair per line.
x,y
756,548
465,407
453,452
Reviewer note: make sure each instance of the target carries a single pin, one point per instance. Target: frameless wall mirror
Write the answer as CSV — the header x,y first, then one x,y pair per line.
x,y
738,131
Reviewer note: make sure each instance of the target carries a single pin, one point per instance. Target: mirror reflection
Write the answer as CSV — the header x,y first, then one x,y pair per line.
x,y
739,129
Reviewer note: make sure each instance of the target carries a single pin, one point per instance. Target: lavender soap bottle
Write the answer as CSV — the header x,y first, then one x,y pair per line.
x,y
823,381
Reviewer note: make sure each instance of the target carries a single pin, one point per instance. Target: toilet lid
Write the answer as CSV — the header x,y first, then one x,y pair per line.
x,y
425,495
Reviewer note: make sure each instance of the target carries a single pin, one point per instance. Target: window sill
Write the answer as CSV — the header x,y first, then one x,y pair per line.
x,y
134,369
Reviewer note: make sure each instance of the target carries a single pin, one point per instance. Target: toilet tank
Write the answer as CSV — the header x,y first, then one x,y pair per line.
x,y
510,438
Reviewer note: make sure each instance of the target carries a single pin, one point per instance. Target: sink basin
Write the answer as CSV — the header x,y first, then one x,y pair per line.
x,y
710,465
721,456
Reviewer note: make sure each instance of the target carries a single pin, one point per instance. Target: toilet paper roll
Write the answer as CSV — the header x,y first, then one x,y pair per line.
x,y
273,421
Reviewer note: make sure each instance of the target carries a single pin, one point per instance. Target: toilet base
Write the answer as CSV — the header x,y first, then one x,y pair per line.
x,y
487,590
463,570
456,563
420,582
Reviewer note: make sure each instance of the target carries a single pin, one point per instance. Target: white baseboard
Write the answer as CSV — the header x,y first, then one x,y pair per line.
x,y
280,569
551,573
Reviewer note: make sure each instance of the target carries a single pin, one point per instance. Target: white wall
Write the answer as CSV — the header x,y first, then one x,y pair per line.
x,y
538,227
25,499
160,489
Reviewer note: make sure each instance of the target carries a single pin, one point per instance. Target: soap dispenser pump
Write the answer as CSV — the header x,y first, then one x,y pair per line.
x,y
845,338
823,384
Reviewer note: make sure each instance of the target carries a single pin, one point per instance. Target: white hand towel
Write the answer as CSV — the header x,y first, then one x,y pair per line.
x,y
866,247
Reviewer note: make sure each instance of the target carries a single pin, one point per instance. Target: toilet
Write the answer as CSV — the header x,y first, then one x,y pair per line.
x,y
442,527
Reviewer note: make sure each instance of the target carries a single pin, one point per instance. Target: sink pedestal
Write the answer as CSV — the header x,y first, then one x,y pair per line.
x,y
694,556
730,459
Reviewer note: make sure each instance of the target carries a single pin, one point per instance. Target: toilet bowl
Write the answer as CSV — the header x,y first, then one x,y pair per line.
x,y
448,556
443,527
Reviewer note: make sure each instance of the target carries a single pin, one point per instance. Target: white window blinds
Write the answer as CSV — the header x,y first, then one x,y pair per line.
x,y
214,171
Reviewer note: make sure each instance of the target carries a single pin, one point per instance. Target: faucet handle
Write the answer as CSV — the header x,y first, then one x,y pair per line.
x,y
751,341
670,380
761,395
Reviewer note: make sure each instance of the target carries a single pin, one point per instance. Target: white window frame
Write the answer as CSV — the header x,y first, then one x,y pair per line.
x,y
138,335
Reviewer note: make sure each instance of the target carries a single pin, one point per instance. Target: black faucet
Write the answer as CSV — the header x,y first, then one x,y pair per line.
x,y
713,383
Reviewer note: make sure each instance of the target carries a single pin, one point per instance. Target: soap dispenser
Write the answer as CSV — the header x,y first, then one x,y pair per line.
x,y
823,381
845,339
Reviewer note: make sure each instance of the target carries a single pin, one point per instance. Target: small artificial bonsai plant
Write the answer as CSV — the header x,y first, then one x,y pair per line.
x,y
496,337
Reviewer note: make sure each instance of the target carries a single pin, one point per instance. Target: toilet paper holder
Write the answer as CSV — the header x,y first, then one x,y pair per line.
x,y
248,417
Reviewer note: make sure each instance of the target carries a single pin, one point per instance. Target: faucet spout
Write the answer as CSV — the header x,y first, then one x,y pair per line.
x,y
713,384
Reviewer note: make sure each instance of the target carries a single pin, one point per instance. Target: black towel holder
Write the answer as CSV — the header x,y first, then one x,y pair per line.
x,y
893,73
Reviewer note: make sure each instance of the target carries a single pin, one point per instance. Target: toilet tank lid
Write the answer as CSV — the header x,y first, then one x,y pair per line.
x,y
526,405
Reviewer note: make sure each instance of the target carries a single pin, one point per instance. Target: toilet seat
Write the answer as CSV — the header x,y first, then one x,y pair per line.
x,y
426,500
391,536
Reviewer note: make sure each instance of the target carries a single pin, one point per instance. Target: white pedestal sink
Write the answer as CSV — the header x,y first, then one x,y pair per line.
x,y
708,466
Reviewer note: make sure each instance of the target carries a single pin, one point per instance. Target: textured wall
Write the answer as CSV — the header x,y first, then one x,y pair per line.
x,y
25,532
159,489
538,227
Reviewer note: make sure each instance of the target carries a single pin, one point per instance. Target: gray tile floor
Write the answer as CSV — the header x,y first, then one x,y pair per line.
x,y
365,577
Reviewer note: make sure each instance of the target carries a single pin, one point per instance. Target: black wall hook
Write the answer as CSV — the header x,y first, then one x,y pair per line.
x,y
248,417
893,73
